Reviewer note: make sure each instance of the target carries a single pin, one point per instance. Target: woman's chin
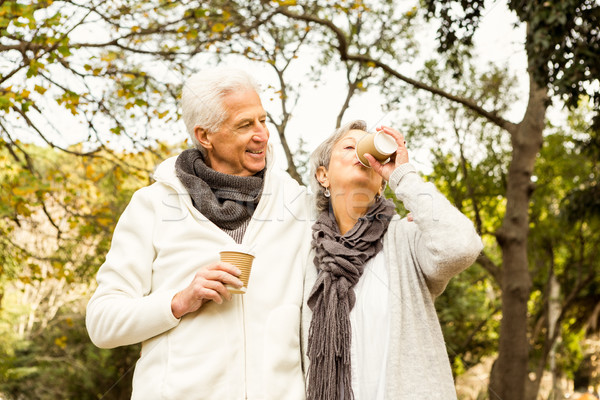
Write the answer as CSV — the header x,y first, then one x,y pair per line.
x,y
361,194
365,176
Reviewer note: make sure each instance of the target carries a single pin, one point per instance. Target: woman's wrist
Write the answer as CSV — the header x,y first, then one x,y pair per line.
x,y
400,172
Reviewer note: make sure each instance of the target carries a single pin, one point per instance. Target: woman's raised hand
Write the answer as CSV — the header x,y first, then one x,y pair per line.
x,y
396,159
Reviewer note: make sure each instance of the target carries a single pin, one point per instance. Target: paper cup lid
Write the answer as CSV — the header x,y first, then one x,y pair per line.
x,y
385,143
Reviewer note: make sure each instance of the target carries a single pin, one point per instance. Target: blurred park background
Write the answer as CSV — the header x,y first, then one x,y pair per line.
x,y
499,101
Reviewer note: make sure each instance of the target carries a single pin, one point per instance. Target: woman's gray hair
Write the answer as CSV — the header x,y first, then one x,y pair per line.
x,y
321,157
202,97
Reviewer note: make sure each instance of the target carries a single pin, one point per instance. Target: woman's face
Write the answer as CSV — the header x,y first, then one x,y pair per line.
x,y
346,175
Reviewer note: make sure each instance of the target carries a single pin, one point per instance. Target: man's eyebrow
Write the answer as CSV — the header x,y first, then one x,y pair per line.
x,y
244,120
249,119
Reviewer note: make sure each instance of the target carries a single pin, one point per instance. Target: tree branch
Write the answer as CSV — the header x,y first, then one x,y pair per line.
x,y
465,344
465,171
365,59
28,162
35,128
291,169
490,267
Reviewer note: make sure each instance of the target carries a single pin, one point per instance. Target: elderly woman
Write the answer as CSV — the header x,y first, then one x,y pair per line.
x,y
374,332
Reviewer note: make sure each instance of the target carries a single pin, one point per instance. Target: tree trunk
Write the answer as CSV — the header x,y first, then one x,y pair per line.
x,y
291,169
510,371
548,354
554,309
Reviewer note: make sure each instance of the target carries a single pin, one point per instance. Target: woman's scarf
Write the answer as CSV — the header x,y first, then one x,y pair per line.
x,y
226,200
340,261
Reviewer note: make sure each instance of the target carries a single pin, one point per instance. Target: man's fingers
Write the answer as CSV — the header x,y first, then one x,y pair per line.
x,y
219,288
224,277
210,281
210,294
213,290
225,266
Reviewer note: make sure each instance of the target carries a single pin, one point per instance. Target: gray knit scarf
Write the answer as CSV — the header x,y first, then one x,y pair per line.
x,y
340,261
226,200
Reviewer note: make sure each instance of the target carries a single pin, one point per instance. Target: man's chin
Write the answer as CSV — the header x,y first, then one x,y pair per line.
x,y
255,168
258,169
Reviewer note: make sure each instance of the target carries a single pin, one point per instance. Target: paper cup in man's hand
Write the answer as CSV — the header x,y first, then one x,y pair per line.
x,y
243,260
379,145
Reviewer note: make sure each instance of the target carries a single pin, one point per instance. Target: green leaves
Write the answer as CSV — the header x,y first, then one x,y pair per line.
x,y
70,100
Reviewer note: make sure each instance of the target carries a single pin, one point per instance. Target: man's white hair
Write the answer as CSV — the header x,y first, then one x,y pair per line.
x,y
202,97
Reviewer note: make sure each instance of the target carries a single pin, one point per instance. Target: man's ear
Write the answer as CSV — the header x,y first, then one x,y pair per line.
x,y
321,175
202,137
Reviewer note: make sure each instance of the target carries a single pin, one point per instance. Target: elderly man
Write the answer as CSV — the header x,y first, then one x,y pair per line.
x,y
162,283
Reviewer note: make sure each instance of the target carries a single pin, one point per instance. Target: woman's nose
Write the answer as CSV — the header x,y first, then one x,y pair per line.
x,y
351,156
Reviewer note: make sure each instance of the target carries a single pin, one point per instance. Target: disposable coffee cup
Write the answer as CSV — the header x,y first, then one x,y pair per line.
x,y
380,145
242,259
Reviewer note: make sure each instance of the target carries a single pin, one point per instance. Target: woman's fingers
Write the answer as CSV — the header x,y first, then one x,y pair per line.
x,y
376,165
382,169
395,134
401,155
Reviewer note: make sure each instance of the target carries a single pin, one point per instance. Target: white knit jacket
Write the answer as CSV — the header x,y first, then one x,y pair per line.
x,y
246,348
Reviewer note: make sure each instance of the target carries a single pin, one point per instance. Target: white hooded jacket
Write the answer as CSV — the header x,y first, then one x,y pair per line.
x,y
246,348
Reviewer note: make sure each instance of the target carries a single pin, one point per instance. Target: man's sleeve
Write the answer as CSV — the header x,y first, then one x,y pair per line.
x,y
122,311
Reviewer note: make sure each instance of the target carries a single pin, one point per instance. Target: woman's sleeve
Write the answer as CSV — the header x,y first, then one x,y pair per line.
x,y
123,310
446,241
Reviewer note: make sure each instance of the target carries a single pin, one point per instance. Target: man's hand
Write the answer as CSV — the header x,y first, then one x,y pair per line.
x,y
208,284
399,157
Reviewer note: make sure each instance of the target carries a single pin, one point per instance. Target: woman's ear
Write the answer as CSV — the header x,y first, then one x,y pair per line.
x,y
202,137
321,175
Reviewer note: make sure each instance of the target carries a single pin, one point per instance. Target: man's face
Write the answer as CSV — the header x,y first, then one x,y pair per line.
x,y
239,147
